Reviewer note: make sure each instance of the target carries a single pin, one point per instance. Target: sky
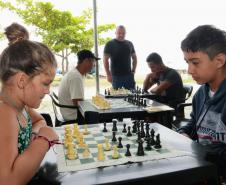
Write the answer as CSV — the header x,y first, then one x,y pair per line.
x,y
152,25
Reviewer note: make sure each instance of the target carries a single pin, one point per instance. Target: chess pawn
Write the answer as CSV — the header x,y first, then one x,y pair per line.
x,y
68,131
67,128
115,154
66,143
109,93
76,127
71,154
75,134
86,132
107,145
148,146
68,139
100,154
120,142
81,142
129,134
124,128
70,146
114,127
145,102
86,152
158,142
105,128
127,154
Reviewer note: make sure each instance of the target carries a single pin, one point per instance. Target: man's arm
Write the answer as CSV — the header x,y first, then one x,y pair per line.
x,y
75,101
106,67
161,87
148,82
134,63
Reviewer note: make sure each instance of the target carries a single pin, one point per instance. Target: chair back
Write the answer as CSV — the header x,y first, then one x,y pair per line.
x,y
187,91
59,120
180,119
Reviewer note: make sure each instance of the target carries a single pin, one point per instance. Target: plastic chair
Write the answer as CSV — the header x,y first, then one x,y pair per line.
x,y
58,117
180,119
187,91
48,119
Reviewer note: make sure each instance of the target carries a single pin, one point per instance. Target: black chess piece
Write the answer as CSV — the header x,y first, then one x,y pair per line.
x,y
140,149
142,92
105,92
145,103
139,137
138,126
152,133
147,135
120,142
142,129
152,141
114,137
114,128
129,132
109,93
134,127
158,142
105,129
124,128
148,146
127,150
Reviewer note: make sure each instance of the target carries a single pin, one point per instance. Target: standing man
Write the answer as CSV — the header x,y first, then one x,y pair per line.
x,y
120,72
168,80
204,50
71,89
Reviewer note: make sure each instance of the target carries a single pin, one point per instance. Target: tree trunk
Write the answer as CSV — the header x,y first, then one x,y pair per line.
x,y
66,58
62,63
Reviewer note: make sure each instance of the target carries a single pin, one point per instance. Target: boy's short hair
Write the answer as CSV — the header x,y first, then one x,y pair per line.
x,y
207,39
154,58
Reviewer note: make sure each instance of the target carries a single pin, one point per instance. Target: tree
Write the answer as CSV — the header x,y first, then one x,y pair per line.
x,y
60,30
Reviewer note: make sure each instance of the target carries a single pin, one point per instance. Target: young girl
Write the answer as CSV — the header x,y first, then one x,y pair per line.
x,y
26,71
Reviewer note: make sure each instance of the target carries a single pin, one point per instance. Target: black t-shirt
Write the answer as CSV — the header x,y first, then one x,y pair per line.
x,y
175,93
120,54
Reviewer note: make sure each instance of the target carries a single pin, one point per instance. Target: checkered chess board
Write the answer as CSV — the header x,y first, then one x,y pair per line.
x,y
95,137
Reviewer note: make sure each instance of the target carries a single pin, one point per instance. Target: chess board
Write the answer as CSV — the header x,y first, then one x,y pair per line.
x,y
95,137
117,103
160,108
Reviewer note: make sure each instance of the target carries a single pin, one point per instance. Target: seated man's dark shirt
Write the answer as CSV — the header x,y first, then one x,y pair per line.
x,y
175,93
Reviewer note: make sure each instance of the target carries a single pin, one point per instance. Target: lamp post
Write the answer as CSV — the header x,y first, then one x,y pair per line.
x,y
96,45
